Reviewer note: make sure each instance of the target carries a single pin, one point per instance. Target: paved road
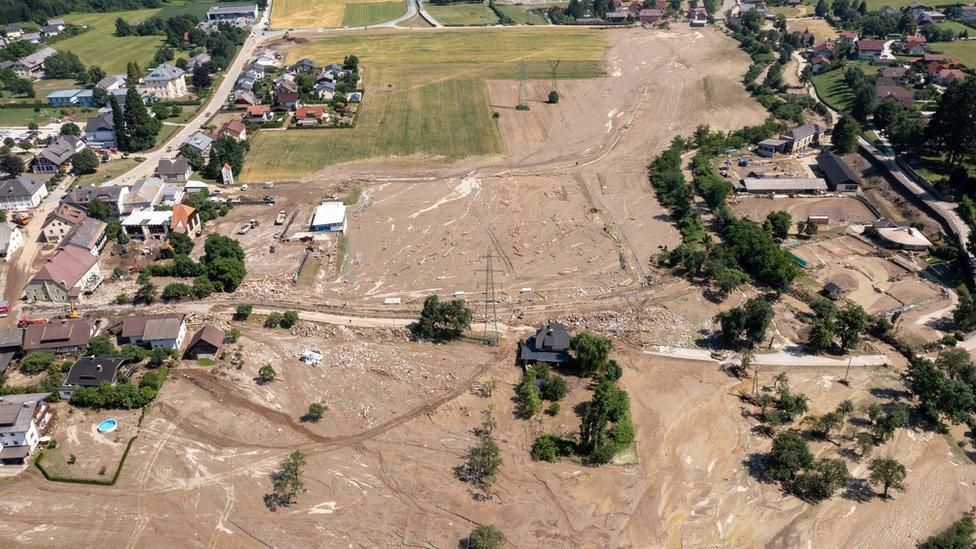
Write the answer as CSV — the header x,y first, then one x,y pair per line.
x,y
791,356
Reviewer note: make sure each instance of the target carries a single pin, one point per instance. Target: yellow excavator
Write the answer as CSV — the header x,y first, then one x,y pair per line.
x,y
72,311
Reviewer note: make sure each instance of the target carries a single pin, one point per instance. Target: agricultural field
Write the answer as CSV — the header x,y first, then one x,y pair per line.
x,y
100,46
522,14
192,7
361,15
820,29
459,15
308,14
425,94
963,50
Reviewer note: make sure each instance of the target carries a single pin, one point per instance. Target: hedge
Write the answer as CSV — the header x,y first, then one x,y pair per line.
x,y
91,481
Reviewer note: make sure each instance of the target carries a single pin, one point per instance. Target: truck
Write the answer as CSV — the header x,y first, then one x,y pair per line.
x,y
4,308
26,321
280,219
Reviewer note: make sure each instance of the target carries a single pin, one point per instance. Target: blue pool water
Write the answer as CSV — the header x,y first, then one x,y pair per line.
x,y
107,426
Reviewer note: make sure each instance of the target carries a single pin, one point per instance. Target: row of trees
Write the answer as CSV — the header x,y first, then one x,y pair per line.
x,y
15,11
135,128
221,269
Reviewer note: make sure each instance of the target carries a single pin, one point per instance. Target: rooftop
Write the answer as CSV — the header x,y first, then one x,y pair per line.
x,y
67,267
17,411
90,371
754,184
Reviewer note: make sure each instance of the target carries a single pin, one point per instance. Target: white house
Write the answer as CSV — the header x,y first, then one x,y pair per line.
x,y
159,331
166,82
146,224
21,193
11,239
24,419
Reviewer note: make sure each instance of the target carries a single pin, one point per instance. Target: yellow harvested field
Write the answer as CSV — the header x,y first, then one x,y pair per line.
x,y
820,29
308,14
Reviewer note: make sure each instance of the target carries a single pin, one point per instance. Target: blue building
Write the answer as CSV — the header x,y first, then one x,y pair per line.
x,y
62,98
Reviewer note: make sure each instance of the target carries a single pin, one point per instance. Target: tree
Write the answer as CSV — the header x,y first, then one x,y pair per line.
x,y
201,78
146,294
822,8
443,321
939,396
85,161
850,323
180,244
530,403
289,319
123,28
64,64
885,420
482,462
100,345
243,311
70,128
788,457
823,479
350,63
36,362
94,75
224,262
746,324
780,222
273,320
553,389
142,128
864,442
957,536
287,482
176,291
485,536
823,425
12,165
553,97
845,135
316,411
592,352
118,120
952,126
226,150
887,473
266,374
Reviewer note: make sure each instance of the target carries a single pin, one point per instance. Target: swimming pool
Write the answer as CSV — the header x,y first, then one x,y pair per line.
x,y
107,425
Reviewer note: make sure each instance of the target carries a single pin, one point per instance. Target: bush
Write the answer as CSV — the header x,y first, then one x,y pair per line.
x,y
315,412
266,374
551,448
273,320
289,319
485,536
553,388
36,362
243,311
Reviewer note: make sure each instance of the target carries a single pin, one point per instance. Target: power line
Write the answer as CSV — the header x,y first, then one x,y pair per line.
x,y
520,103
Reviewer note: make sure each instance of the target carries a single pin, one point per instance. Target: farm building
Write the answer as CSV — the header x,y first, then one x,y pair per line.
x,y
329,217
205,343
838,175
801,137
240,11
784,185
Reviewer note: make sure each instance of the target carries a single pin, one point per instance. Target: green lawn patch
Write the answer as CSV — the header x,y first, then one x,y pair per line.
x,y
22,117
963,50
206,361
107,172
832,88
874,5
195,8
56,475
463,15
522,15
361,15
99,46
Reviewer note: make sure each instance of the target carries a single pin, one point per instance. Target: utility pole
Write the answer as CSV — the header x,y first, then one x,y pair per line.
x,y
520,104
849,360
553,64
491,305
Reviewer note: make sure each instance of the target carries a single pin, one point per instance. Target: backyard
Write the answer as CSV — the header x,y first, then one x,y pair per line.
x,y
425,94
832,88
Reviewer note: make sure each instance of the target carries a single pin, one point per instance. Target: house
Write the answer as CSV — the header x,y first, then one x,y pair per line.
x,y
205,343
61,221
245,99
930,17
898,74
832,291
916,8
71,272
801,137
24,419
285,84
196,187
199,142
913,45
112,82
32,66
329,217
57,155
287,101
234,129
818,63
185,220
115,196
888,89
634,9
768,147
867,50
63,98
146,224
171,194
13,31
650,16
158,331
905,238
825,49
50,30
176,169
198,61
11,343
237,11
259,114
166,82
302,66
90,371
325,89
89,235
947,76
839,176
309,116
146,194
59,336
887,10
966,14
550,344
698,16
24,192
355,97
774,185
100,131
616,16
847,37
11,239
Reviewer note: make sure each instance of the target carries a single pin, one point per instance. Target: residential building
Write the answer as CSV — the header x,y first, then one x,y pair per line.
x,y
947,76
116,196
325,89
825,49
650,16
550,345
867,50
32,66
234,129
146,224
847,37
259,114
59,336
176,170
146,194
165,331
245,99
57,155
309,116
838,175
887,10
166,82
802,137
966,14
769,147
898,74
61,221
198,61
287,101
65,98
329,217
24,192
171,194
185,220
100,131
221,12
11,239
205,343
818,63
90,371
11,343
89,235
913,45
616,16
70,273
200,143
303,66
112,82
888,89
784,185
698,17
24,419
13,31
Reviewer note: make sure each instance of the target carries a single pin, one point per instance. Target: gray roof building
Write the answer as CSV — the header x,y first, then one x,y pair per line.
x,y
550,344
164,73
23,186
91,371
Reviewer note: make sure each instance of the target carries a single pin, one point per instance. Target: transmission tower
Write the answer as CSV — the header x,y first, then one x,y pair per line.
x,y
520,103
491,306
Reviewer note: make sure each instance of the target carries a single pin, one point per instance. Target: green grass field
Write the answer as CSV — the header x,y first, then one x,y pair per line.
x,y
521,15
41,90
360,15
100,46
833,90
898,4
107,171
463,14
193,7
425,94
963,50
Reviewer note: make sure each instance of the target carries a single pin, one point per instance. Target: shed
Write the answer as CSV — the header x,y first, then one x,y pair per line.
x,y
205,343
768,147
329,217
784,185
838,175
832,290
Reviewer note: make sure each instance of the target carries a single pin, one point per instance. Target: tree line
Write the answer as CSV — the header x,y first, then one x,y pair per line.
x,y
15,11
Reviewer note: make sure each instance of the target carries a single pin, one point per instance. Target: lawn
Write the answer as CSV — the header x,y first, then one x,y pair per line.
x,y
425,94
107,171
463,14
833,90
303,14
99,46
361,15
22,117
521,15
963,50
898,4
41,89
196,8
820,29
